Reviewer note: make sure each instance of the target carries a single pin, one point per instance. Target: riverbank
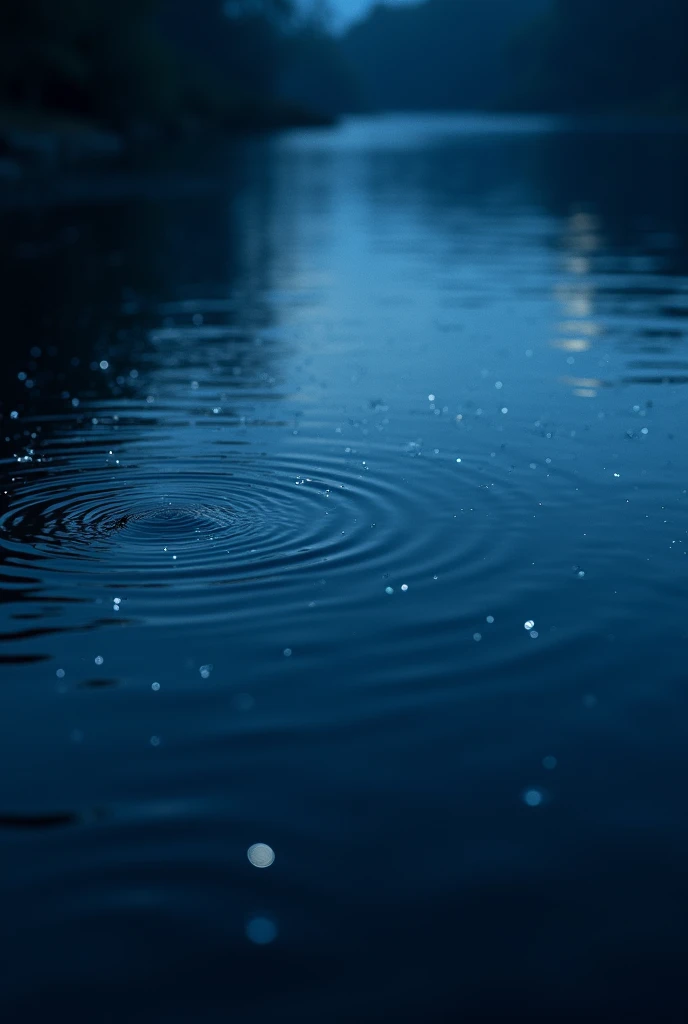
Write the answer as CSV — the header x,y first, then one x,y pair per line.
x,y
35,144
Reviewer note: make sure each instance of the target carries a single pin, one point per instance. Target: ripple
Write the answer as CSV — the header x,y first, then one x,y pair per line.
x,y
169,546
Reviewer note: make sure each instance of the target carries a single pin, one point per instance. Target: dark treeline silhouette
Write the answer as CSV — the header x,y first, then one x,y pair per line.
x,y
553,55
147,66
156,68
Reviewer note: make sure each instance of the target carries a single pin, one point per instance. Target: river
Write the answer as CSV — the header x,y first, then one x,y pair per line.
x,y
343,568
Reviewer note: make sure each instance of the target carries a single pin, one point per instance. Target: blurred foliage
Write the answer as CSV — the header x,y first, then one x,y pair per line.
x,y
586,56
177,66
442,54
145,66
558,55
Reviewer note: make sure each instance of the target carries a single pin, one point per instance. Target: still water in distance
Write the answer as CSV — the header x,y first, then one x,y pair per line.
x,y
344,511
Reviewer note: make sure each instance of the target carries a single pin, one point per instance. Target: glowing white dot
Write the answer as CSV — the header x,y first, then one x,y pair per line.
x,y
458,460
533,797
261,931
404,586
504,410
431,398
104,364
99,659
529,624
261,855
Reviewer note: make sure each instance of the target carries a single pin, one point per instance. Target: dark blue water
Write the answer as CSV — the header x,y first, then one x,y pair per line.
x,y
345,511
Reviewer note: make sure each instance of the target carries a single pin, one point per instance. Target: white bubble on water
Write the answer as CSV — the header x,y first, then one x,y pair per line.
x,y
261,855
99,659
528,624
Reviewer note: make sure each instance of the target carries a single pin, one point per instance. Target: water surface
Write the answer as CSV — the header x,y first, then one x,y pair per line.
x,y
344,510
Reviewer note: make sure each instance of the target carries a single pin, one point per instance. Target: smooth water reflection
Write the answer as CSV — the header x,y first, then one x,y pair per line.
x,y
345,517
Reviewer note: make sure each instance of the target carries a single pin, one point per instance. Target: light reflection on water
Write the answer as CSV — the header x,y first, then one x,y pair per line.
x,y
344,502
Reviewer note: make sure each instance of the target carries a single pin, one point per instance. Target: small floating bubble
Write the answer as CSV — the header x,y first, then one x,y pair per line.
x,y
533,797
99,659
155,686
261,931
287,652
261,855
490,619
389,590
528,624
404,586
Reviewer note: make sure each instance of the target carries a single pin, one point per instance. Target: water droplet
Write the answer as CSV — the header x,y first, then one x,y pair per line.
x,y
389,590
528,624
261,855
490,619
404,587
99,659
261,931
155,686
104,364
